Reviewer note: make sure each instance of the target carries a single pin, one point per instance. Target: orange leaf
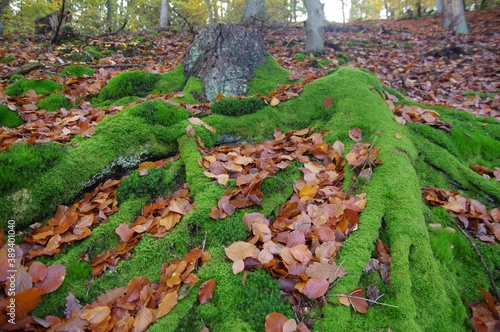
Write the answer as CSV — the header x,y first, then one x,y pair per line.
x,y
309,191
206,291
26,301
166,304
143,319
95,315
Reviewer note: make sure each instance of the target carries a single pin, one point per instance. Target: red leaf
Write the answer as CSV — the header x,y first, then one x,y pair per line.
x,y
358,301
355,134
328,102
315,288
54,279
275,322
124,232
206,291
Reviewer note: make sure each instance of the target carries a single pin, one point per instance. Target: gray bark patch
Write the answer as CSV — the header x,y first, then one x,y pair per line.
x,y
224,57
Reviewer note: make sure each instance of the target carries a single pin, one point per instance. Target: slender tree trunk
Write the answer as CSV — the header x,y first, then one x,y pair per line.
x,y
3,6
255,11
163,15
440,6
109,15
294,10
454,17
343,10
210,12
314,26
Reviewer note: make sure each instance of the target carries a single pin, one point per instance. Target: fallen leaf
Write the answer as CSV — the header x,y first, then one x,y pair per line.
x,y
167,304
54,279
275,322
355,134
95,315
328,102
315,288
206,291
275,101
358,300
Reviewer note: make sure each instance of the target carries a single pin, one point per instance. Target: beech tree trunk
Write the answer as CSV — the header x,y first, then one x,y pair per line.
x,y
109,15
224,57
3,6
454,17
210,12
163,15
315,26
440,6
255,12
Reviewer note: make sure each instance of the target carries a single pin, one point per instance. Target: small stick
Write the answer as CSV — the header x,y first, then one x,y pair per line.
x,y
362,298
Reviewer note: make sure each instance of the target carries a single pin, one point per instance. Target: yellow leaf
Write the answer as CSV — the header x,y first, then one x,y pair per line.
x,y
275,101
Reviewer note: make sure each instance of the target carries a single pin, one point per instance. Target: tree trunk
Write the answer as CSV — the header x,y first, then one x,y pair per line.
x,y
224,57
163,15
3,6
440,6
314,26
454,17
109,15
255,12
210,12
343,10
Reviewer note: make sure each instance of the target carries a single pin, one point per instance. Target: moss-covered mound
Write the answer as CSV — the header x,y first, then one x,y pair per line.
x,y
78,71
131,83
433,271
9,118
21,86
54,102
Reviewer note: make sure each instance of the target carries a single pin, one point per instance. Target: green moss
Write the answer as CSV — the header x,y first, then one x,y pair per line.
x,y
7,59
154,184
54,102
159,112
121,141
130,83
21,86
125,101
93,52
300,57
171,81
193,91
267,77
22,164
483,95
78,71
236,107
9,118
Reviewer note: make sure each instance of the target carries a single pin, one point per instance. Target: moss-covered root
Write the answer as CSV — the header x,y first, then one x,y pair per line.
x,y
394,211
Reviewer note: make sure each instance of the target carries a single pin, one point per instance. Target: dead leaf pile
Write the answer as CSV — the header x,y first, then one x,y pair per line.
x,y
486,315
472,215
486,172
381,264
285,92
299,246
73,223
157,219
277,322
23,285
130,308
42,126
415,114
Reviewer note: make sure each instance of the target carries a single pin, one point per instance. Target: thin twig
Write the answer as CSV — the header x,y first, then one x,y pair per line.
x,y
364,165
488,271
362,298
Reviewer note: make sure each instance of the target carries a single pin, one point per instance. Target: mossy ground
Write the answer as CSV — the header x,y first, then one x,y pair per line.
x,y
9,118
431,282
21,86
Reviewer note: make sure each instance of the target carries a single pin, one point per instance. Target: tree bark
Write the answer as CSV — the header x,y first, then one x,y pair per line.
x,y
109,15
3,6
211,19
315,26
440,6
224,57
255,10
163,15
454,17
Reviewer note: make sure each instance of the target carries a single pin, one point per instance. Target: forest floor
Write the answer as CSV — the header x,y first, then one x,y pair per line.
x,y
72,286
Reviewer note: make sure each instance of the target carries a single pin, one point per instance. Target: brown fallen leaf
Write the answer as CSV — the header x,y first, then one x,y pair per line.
x,y
206,291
